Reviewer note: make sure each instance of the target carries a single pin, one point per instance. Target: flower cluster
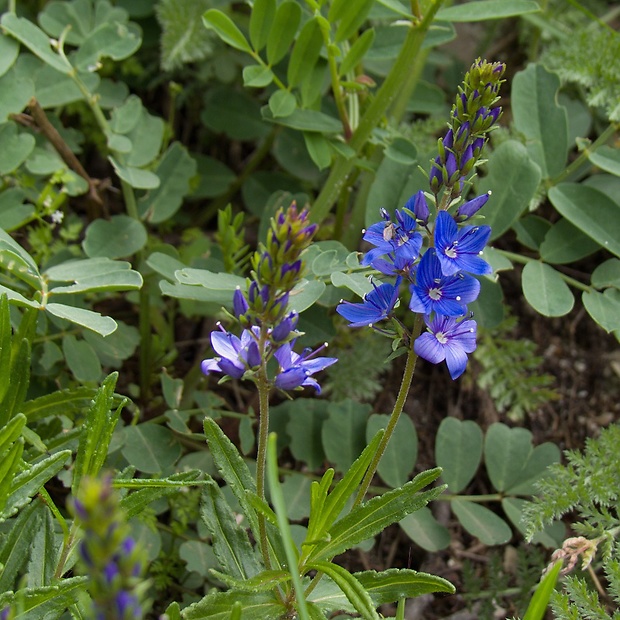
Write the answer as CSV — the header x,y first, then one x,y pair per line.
x,y
111,558
440,269
269,330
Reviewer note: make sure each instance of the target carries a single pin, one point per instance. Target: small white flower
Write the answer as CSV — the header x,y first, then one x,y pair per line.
x,y
57,216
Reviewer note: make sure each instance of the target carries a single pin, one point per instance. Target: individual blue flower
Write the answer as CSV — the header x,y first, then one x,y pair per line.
x,y
236,355
460,249
436,292
377,305
398,239
296,370
447,339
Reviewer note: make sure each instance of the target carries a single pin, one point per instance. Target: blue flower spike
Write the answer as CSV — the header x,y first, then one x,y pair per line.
x,y
460,249
436,292
378,304
447,339
297,370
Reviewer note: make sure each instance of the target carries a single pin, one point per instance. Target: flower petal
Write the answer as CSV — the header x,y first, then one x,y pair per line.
x,y
429,348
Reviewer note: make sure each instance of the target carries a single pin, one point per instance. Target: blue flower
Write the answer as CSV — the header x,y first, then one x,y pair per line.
x,y
397,239
460,249
236,355
447,339
296,370
377,305
436,292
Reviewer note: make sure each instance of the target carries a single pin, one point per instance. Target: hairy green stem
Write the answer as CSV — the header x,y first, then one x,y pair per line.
x,y
396,411
263,387
407,58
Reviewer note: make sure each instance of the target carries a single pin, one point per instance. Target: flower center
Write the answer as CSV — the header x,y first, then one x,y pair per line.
x,y
434,294
441,338
450,252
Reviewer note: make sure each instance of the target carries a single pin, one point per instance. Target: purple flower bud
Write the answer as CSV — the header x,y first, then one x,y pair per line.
x,y
436,176
451,169
128,605
240,303
477,146
448,140
471,207
85,554
79,509
4,614
467,161
462,135
417,204
110,572
282,331
128,545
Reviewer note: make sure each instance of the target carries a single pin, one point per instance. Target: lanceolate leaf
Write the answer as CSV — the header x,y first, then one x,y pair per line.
x,y
479,10
261,21
376,514
391,585
283,31
352,588
479,521
217,606
103,325
230,540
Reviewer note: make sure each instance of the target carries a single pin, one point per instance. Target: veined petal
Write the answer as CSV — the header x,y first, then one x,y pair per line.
x,y
359,315
427,346
318,363
290,378
225,344
210,365
456,359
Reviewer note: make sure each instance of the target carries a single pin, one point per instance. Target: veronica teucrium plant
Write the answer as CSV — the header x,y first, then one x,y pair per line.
x,y
432,246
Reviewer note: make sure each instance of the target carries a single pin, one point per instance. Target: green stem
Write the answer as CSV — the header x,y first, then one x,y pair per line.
x,y
583,156
336,87
386,95
396,411
524,260
262,385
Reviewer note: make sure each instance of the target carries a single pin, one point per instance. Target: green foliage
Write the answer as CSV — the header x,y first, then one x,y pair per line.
x,y
511,372
595,68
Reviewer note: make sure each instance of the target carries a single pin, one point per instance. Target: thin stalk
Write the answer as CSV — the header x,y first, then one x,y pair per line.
x,y
583,156
262,385
396,411
385,96
524,260
336,87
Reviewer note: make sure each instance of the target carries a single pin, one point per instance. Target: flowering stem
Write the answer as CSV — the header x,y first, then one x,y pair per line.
x,y
262,385
398,408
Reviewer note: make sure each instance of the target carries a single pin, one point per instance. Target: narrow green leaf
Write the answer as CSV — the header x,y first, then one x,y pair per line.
x,y
263,582
375,515
9,467
114,280
283,31
226,29
15,546
357,52
458,450
103,325
352,588
217,606
539,117
391,585
545,290
43,552
591,211
479,10
537,608
349,16
261,22
35,40
27,483
233,469
305,120
11,431
230,541
305,53
61,402
481,522
97,432
18,383
322,519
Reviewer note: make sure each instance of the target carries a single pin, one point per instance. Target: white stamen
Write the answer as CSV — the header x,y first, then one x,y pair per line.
x,y
458,298
441,338
434,294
